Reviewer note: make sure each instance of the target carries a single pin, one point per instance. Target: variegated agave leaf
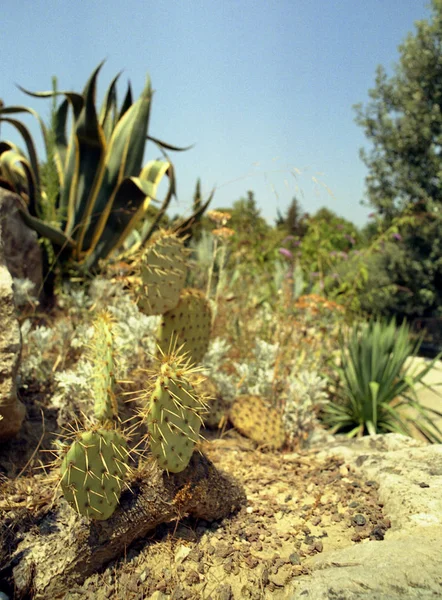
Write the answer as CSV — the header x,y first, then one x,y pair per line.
x,y
104,191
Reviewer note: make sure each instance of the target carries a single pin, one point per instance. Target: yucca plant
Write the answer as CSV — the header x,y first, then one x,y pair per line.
x,y
104,191
376,388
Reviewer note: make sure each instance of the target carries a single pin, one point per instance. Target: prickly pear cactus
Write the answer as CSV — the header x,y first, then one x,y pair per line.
x,y
163,269
174,418
187,327
92,472
263,424
102,356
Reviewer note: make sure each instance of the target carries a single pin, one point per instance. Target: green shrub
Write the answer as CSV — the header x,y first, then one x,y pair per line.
x,y
399,275
375,385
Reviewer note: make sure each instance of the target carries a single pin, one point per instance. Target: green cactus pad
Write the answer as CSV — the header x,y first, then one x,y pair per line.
x,y
163,269
102,356
187,327
174,419
254,418
92,472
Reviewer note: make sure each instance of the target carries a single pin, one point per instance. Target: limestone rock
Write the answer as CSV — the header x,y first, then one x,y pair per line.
x,y
12,410
407,564
395,569
20,246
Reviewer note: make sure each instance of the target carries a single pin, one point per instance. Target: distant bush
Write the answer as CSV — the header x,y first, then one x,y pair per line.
x,y
402,277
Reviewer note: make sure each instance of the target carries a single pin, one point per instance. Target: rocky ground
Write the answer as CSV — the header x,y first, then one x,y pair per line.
x,y
350,520
343,520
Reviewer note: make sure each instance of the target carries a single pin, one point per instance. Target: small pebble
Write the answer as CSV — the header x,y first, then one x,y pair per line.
x,y
192,578
359,520
265,576
222,550
224,592
377,533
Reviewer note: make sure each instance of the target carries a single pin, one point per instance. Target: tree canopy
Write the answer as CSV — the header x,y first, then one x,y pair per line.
x,y
403,121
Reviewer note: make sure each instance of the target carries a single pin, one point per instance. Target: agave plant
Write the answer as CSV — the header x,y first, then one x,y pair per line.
x,y
376,388
104,191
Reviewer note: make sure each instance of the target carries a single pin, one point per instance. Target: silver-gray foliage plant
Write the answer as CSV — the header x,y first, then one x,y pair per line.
x,y
212,365
305,392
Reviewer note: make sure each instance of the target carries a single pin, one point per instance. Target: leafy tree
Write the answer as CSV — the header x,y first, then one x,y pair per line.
x,y
327,241
295,219
255,243
395,274
246,216
403,120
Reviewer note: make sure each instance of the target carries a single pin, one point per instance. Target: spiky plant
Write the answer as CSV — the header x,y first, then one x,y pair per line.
x,y
162,267
93,468
174,413
377,386
104,191
258,420
187,326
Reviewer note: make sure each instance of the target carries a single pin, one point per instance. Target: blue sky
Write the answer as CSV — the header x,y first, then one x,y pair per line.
x,y
264,89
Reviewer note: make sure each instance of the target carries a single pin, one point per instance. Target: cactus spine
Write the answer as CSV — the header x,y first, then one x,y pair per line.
x,y
102,355
93,469
163,269
263,424
174,415
187,326
92,472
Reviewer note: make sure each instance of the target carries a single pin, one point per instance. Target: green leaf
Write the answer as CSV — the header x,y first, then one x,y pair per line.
x,y
76,100
131,199
169,146
108,112
18,170
91,149
182,226
127,102
33,160
58,237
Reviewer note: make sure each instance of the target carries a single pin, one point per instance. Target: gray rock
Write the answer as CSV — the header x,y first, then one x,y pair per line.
x,y
12,411
396,569
407,564
20,257
20,245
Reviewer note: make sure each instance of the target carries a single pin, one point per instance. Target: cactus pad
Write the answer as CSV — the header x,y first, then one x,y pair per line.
x,y
256,420
174,418
163,268
92,472
102,356
187,327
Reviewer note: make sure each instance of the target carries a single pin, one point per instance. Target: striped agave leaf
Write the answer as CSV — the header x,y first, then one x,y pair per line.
x,y
104,191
